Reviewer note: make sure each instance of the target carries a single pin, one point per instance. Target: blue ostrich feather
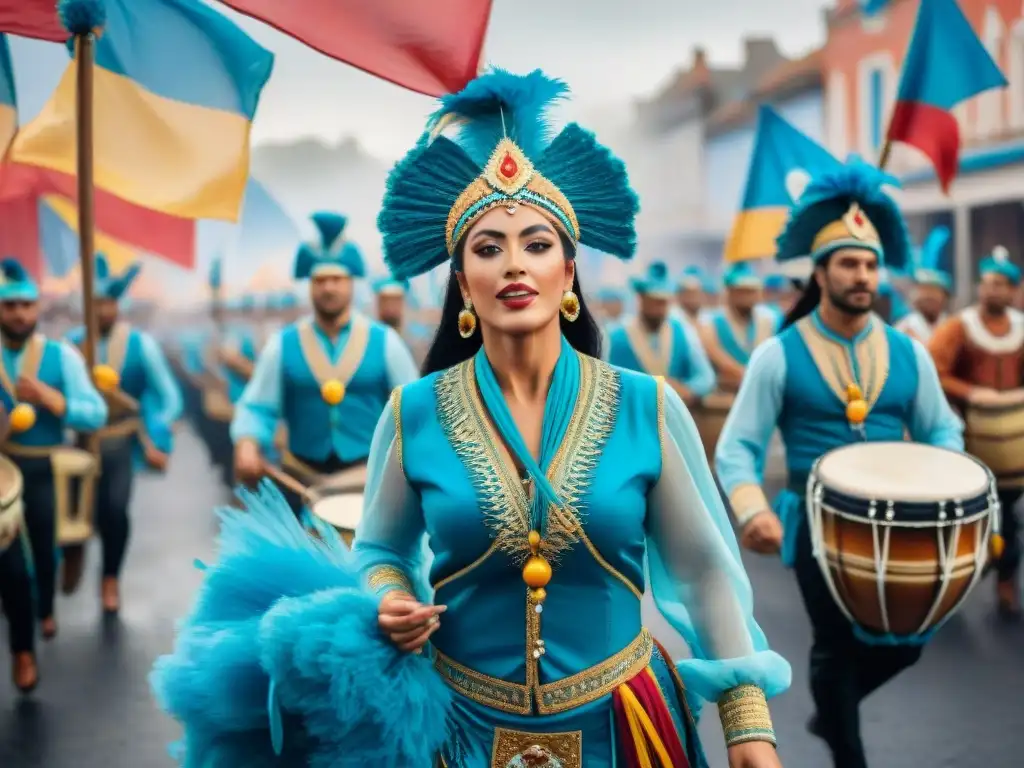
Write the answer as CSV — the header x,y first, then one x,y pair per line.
x,y
80,17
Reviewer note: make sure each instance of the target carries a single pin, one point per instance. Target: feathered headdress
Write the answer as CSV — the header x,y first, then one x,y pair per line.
x,y
655,282
776,283
390,286
16,284
998,262
847,208
111,286
927,264
693,277
741,275
332,254
502,155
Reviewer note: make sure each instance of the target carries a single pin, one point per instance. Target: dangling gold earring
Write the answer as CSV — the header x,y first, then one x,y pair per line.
x,y
467,320
570,306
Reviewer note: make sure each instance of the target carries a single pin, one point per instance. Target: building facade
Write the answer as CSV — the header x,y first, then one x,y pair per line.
x,y
861,63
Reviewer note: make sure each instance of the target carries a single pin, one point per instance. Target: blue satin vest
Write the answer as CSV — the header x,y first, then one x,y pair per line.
x,y
622,354
312,423
48,429
611,459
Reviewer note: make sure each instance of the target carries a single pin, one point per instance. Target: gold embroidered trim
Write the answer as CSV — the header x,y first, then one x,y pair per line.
x,y
551,698
567,747
594,553
503,500
386,578
117,346
655,362
837,369
348,361
463,571
31,359
396,414
745,716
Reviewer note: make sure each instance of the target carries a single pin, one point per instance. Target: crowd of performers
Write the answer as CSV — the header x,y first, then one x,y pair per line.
x,y
487,611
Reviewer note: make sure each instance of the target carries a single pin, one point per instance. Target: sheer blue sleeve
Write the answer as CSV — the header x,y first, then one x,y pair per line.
x,y
743,444
701,375
696,575
932,421
398,360
162,402
390,541
85,408
258,410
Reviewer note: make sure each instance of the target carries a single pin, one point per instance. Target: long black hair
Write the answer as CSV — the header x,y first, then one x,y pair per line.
x,y
449,348
810,298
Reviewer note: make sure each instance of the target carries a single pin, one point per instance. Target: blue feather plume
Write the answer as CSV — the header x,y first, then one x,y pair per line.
x,y
80,17
329,225
499,104
830,194
930,253
13,271
102,266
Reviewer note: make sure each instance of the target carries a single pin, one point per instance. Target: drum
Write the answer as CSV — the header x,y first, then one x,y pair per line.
x,y
710,418
901,532
338,501
74,489
11,508
996,436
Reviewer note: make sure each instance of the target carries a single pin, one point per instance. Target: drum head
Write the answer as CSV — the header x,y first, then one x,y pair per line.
x,y
353,479
342,510
10,482
907,472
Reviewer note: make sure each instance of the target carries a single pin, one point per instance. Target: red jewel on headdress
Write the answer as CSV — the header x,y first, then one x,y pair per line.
x,y
858,219
508,167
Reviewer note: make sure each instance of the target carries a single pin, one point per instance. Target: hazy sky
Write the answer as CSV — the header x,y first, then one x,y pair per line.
x,y
607,50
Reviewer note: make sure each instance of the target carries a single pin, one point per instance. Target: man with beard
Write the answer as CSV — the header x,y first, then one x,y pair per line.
x,y
692,294
799,382
328,378
45,389
979,353
932,288
144,402
731,332
659,342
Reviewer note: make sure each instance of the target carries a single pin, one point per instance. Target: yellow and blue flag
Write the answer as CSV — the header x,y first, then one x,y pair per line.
x,y
175,90
8,98
783,161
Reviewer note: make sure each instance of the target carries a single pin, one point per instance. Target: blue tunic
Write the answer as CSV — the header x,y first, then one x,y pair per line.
x,y
674,351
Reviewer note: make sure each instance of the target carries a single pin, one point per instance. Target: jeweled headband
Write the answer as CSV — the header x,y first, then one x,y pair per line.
x,y
503,156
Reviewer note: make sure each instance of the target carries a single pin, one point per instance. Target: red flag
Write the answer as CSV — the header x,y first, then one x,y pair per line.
x,y
19,233
32,18
429,47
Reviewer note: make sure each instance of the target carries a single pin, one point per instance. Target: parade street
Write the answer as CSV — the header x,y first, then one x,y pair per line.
x,y
959,708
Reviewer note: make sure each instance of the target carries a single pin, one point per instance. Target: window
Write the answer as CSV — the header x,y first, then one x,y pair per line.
x,y
876,103
876,91
836,115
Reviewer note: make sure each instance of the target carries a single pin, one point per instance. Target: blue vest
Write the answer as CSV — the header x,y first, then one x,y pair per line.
x,y
48,429
622,354
312,422
813,419
452,467
133,367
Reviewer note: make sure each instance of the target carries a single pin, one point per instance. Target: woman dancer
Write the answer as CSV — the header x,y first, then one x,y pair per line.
x,y
539,477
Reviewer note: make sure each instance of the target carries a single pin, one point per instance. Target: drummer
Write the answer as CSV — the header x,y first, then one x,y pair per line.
x,y
932,288
979,353
732,331
139,432
659,342
800,382
328,377
45,389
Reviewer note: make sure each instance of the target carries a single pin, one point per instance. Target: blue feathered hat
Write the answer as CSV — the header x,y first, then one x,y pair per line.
x,y
655,282
998,262
610,293
16,284
109,285
741,275
390,286
776,283
843,208
503,155
333,254
927,269
693,277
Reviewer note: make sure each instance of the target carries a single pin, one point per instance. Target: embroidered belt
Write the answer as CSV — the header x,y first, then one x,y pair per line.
x,y
551,698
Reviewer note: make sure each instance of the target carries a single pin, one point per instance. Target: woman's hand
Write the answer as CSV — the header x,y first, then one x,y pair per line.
x,y
408,623
754,754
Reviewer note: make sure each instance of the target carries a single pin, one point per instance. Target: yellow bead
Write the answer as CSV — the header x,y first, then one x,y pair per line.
x,y
996,546
534,539
537,572
538,595
333,392
853,392
857,411
23,417
106,378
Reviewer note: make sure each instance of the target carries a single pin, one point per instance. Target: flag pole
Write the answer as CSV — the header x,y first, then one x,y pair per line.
x,y
883,159
84,49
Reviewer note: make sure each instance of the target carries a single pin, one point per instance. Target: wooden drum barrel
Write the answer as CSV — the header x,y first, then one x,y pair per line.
x,y
996,437
11,508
